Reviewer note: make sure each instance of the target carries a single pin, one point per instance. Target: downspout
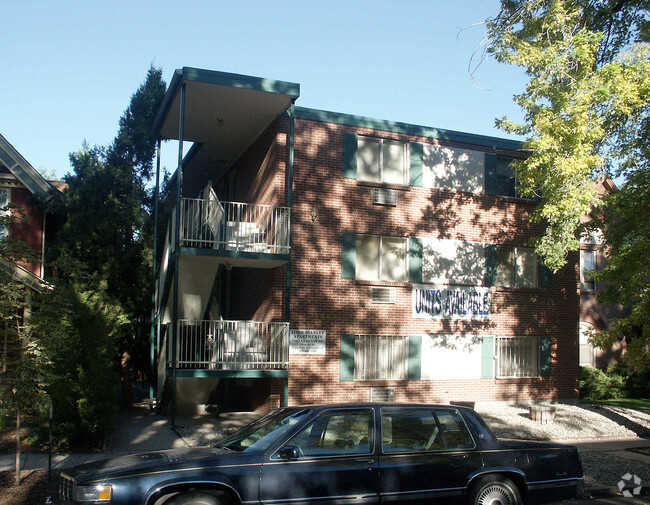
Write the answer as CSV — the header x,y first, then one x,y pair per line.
x,y
287,297
43,247
155,335
177,247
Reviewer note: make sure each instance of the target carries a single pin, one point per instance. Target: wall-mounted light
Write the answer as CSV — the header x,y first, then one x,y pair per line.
x,y
314,214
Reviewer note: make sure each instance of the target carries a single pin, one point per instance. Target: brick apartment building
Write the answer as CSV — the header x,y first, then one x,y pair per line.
x,y
596,316
313,256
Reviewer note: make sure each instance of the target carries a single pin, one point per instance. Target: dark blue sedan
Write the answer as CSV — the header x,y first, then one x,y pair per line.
x,y
361,454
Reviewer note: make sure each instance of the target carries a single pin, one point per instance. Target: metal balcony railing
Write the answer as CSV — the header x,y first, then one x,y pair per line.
x,y
233,226
231,345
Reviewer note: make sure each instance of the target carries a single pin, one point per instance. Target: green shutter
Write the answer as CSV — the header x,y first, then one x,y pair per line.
x,y
487,358
490,173
415,357
545,356
417,154
346,366
545,275
350,142
415,259
348,254
491,264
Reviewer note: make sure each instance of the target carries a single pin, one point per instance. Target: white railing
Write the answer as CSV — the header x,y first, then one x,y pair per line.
x,y
233,226
232,345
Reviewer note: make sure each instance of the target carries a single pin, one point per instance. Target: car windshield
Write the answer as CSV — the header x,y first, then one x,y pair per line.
x,y
260,434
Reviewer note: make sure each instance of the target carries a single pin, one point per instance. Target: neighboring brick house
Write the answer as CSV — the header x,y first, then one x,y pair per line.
x,y
23,187
595,316
371,259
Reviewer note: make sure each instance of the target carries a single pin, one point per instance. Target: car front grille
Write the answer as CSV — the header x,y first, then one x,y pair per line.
x,y
66,489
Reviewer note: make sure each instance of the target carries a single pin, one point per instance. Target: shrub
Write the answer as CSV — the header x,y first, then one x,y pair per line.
x,y
598,385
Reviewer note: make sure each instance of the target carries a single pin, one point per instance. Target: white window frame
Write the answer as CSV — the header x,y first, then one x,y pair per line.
x,y
382,178
381,256
515,267
517,357
381,357
586,284
4,231
585,348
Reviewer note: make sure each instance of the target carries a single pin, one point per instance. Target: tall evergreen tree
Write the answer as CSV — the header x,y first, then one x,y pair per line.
x,y
107,206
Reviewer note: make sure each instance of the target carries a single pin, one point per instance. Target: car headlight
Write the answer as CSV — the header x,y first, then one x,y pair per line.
x,y
99,493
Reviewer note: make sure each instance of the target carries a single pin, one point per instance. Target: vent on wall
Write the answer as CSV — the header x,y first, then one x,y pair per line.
x,y
382,295
383,196
382,395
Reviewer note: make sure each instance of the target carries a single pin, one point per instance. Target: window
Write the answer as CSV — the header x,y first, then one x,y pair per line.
x,y
379,357
381,258
383,161
5,199
587,265
518,356
335,433
587,351
415,430
516,267
506,178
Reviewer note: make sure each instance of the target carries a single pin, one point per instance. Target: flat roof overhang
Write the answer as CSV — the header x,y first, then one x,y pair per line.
x,y
224,112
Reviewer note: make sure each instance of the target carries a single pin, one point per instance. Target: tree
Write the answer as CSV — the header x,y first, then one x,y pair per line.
x,y
106,234
587,115
625,219
24,360
583,88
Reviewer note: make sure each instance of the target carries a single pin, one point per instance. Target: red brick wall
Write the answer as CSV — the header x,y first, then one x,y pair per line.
x,y
259,294
321,299
30,229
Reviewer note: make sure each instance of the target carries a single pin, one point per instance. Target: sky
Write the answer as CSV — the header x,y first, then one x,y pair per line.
x,y
70,67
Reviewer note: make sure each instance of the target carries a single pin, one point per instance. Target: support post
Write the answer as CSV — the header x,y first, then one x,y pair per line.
x,y
155,345
177,253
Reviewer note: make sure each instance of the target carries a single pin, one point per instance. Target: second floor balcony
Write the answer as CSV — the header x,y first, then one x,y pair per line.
x,y
208,223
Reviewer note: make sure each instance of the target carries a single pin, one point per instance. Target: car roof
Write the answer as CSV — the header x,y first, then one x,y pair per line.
x,y
322,406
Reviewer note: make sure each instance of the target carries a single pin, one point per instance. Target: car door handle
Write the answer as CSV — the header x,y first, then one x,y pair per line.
x,y
369,461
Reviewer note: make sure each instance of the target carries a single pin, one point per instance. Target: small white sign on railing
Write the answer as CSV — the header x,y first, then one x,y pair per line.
x,y
307,341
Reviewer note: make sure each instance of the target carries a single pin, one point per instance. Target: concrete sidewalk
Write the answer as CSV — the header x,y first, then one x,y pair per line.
x,y
136,430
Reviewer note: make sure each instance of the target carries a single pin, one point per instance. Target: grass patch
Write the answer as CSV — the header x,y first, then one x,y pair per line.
x,y
632,403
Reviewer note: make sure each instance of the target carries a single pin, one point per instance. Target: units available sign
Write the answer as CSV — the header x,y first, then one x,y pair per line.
x,y
307,341
451,302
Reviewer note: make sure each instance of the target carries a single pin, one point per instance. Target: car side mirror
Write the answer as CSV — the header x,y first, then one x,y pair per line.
x,y
289,452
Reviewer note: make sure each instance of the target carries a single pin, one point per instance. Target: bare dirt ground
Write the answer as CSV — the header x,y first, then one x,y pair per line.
x,y
33,489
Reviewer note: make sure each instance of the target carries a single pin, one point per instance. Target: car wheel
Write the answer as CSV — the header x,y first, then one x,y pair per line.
x,y
495,491
193,498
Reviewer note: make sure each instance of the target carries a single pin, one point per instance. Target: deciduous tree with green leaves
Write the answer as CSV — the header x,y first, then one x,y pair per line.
x,y
576,107
586,116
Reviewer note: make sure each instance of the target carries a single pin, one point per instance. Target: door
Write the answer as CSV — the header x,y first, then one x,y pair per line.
x,y
332,460
427,455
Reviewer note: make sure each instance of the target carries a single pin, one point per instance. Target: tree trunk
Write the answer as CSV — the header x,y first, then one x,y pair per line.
x,y
17,446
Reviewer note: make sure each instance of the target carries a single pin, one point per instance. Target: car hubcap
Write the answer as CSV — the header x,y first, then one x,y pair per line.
x,y
495,495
